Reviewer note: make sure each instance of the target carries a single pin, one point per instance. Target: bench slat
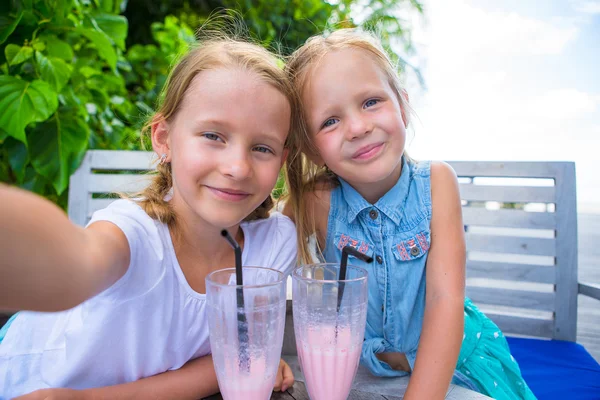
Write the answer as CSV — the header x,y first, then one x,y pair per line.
x,y
511,272
111,183
512,298
592,291
512,169
510,244
121,160
508,218
507,194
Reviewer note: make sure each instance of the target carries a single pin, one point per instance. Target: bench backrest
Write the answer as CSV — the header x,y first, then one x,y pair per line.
x,y
521,228
103,173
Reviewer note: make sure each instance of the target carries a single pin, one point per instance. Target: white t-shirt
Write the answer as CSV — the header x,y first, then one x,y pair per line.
x,y
150,321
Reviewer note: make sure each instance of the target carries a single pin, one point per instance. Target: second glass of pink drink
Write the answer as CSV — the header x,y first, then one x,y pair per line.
x,y
246,341
329,327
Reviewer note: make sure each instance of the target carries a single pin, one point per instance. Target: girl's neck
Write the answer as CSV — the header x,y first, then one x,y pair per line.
x,y
200,249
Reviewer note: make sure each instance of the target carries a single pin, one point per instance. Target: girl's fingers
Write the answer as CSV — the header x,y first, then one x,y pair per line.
x,y
278,379
287,376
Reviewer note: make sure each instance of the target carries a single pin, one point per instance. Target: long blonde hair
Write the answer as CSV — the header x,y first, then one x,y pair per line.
x,y
218,51
303,175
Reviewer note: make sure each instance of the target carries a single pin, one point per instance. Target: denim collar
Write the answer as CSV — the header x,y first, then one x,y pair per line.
x,y
390,204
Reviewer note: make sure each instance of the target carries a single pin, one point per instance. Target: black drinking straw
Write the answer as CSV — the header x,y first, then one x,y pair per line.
x,y
343,266
241,316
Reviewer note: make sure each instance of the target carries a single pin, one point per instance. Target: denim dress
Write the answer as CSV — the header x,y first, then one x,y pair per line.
x,y
396,233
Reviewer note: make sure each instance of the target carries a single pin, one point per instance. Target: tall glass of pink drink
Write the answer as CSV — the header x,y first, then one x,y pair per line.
x,y
329,329
246,352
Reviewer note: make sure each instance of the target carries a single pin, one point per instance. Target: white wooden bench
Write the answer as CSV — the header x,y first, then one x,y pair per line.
x,y
522,260
521,228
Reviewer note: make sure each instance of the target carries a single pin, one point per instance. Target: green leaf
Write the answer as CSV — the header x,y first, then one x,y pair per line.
x,y
54,71
23,102
18,157
8,25
57,147
106,5
115,26
102,44
60,9
88,72
38,45
33,181
17,54
58,48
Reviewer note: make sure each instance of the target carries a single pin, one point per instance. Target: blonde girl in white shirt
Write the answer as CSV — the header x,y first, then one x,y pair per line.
x,y
132,282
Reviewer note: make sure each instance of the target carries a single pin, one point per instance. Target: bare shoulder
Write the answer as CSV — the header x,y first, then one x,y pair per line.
x,y
108,249
444,183
442,172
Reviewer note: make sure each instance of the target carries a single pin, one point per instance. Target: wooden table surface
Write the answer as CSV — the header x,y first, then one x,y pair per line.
x,y
371,387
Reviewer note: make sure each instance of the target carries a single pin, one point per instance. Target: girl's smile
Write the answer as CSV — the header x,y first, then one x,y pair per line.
x,y
368,152
228,194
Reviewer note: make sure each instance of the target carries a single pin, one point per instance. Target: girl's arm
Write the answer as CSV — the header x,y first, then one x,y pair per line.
x,y
442,331
195,380
49,263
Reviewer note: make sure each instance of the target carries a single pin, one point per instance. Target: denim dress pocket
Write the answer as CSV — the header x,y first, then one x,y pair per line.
x,y
363,246
411,245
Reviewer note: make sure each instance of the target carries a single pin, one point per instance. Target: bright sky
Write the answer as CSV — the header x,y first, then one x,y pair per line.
x,y
511,80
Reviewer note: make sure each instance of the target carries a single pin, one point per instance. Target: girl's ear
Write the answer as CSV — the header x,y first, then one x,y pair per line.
x,y
160,138
404,107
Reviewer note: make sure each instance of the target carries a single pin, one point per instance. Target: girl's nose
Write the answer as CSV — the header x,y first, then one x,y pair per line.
x,y
358,127
237,167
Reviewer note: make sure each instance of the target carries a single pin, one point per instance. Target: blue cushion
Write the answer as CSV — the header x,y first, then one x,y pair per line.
x,y
555,369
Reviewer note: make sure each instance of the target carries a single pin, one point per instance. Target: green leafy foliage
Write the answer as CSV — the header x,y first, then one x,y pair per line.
x,y
62,89
80,74
24,102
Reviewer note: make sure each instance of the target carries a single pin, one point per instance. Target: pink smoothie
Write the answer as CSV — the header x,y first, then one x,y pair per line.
x,y
248,391
256,384
328,362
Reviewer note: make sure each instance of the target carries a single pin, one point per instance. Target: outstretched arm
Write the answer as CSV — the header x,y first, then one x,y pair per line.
x,y
442,331
48,263
195,380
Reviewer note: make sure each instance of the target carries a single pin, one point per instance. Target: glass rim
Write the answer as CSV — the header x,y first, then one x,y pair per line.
x,y
280,278
348,266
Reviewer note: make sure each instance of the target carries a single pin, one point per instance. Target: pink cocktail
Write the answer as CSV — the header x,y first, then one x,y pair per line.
x,y
246,351
329,328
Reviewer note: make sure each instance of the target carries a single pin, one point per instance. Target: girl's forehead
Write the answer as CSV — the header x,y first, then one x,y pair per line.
x,y
223,87
234,99
348,66
222,80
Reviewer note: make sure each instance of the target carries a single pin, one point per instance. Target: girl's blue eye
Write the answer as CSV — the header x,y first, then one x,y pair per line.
x,y
211,136
371,103
329,122
263,149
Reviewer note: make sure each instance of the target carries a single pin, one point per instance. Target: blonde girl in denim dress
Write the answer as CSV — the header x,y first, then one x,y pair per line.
x,y
357,186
